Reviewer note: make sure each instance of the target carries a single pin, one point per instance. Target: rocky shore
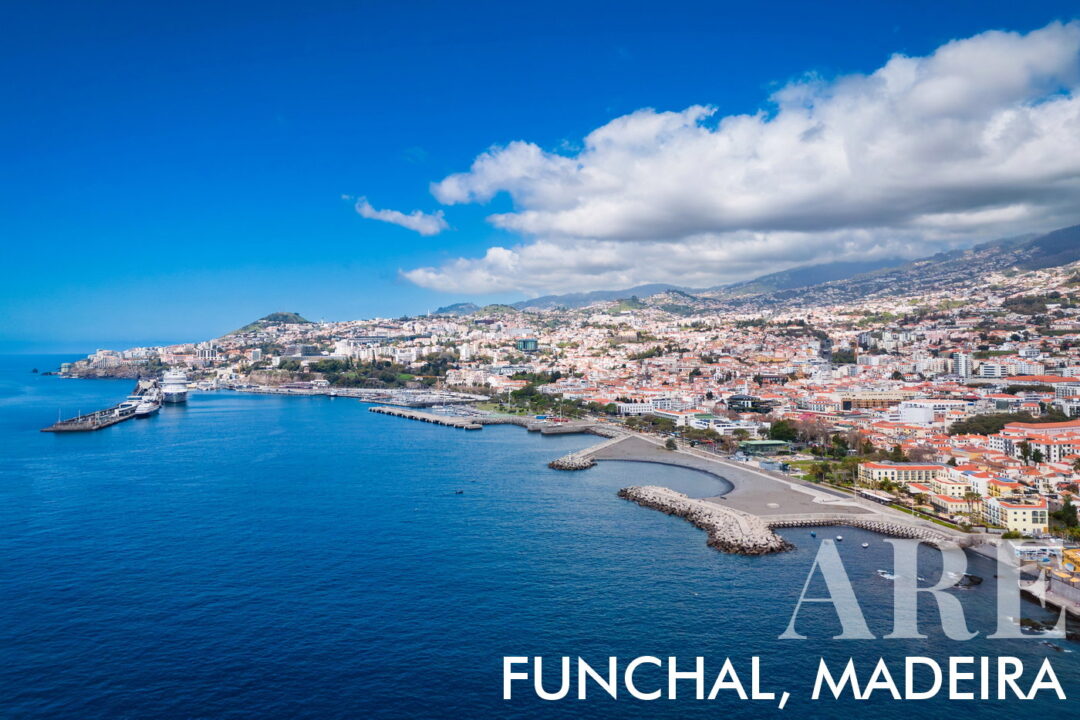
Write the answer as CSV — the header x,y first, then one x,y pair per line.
x,y
729,531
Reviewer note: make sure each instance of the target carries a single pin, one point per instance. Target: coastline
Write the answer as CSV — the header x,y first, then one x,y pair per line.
x,y
741,520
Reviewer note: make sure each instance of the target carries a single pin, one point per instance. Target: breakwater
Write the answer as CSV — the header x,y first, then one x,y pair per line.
x,y
573,461
729,530
875,523
584,459
734,531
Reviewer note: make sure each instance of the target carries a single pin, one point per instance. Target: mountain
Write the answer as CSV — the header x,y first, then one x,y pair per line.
x,y
801,277
275,318
1060,247
576,300
954,270
835,282
465,308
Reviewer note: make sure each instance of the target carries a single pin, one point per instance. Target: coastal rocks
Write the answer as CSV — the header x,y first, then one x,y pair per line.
x,y
729,531
573,461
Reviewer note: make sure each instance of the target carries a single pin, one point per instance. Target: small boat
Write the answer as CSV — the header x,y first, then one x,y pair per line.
x,y
813,534
459,492
839,537
866,545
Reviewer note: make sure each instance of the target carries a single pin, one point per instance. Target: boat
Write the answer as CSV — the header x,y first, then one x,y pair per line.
x,y
813,534
839,537
147,407
866,545
174,387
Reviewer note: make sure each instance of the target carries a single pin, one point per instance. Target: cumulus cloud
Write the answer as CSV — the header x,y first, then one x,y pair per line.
x,y
423,223
978,140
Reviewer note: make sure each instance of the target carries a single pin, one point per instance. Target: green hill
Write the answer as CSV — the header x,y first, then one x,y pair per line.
x,y
275,318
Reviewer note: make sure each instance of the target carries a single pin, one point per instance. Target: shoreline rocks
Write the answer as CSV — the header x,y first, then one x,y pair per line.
x,y
729,531
573,461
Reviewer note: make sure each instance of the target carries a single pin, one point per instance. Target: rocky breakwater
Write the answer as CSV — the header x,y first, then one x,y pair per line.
x,y
729,530
875,523
573,461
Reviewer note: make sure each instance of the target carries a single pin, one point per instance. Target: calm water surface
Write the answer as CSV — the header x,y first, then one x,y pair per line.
x,y
266,557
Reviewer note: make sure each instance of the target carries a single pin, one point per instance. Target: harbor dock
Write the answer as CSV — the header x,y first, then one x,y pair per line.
x,y
463,423
109,416
95,420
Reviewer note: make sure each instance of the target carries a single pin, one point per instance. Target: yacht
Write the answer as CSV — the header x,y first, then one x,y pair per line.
x,y
174,387
147,406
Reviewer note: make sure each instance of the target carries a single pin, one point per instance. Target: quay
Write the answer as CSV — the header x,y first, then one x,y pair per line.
x,y
104,418
448,420
476,422
95,420
400,397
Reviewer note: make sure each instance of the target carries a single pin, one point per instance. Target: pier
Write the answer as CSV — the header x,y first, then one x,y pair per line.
x,y
476,422
95,420
462,423
104,418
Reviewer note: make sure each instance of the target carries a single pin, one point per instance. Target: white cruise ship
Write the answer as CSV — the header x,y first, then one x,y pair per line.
x,y
174,387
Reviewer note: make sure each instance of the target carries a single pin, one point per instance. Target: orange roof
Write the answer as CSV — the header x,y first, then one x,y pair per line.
x,y
1044,426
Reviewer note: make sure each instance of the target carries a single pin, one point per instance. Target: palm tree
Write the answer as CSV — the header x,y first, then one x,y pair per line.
x,y
1025,451
972,497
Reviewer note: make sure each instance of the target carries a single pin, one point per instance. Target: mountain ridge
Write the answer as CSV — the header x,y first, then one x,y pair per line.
x,y
843,281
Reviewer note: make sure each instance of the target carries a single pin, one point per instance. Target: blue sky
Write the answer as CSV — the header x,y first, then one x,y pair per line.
x,y
172,172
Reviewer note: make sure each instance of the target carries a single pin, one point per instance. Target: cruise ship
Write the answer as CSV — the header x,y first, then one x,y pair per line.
x,y
174,387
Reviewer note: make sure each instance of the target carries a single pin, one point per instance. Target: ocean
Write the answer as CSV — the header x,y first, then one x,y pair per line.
x,y
250,556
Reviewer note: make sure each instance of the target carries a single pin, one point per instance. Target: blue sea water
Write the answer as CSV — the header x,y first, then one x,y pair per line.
x,y
270,557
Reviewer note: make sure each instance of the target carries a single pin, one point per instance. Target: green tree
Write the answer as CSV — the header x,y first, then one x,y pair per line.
x,y
783,430
670,444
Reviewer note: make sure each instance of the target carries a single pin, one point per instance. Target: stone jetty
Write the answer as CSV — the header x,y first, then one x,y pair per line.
x,y
585,459
734,531
573,461
729,530
876,523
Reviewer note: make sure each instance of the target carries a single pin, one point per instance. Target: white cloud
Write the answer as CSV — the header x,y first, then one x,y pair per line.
x,y
978,140
423,223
